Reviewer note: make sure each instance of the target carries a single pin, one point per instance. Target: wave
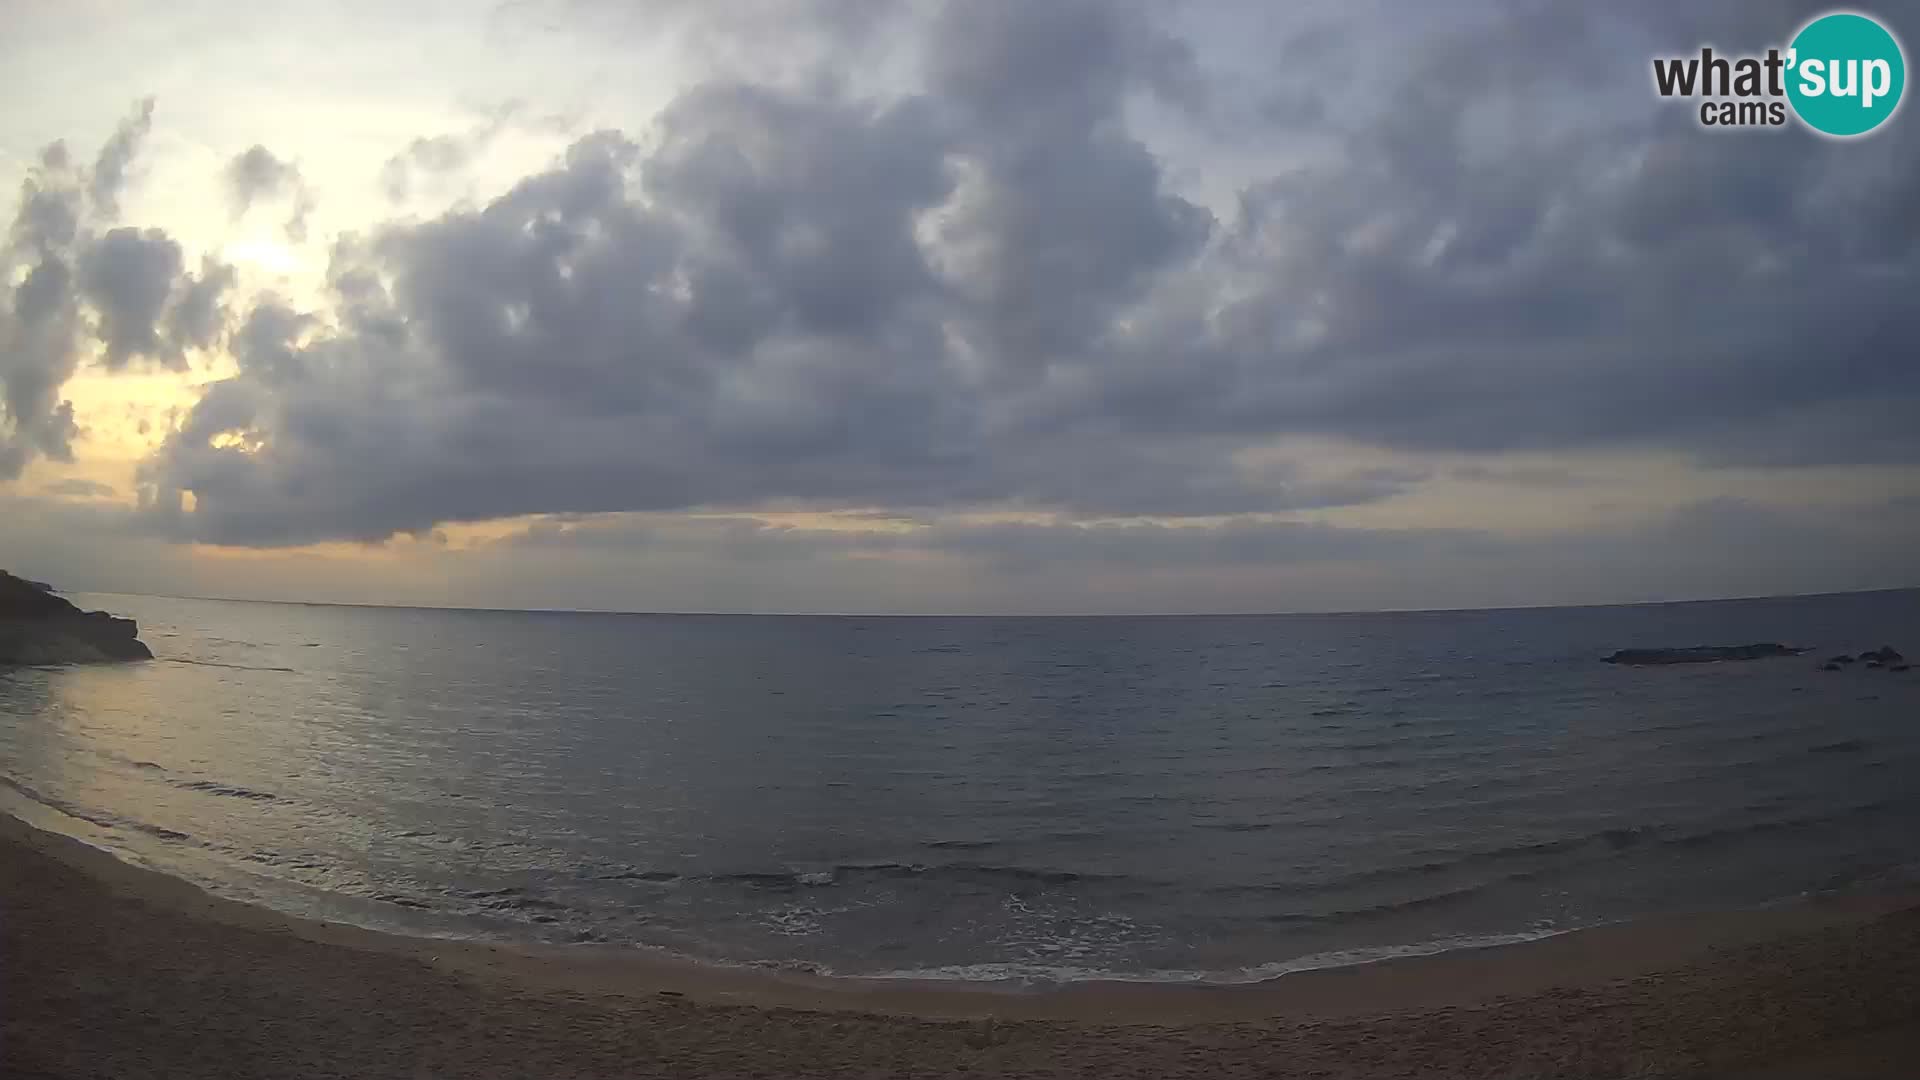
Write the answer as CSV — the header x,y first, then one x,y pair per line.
x,y
220,664
231,791
160,831
1526,861
1603,843
1709,837
514,900
1048,974
101,819
849,873
1613,841
1603,840
1845,746
654,876
1398,907
70,809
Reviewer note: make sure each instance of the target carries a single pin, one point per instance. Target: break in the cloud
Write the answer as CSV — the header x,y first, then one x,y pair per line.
x,y
986,283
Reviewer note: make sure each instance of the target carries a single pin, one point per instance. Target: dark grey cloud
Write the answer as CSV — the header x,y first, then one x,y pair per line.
x,y
51,201
1066,217
1537,256
39,316
110,168
144,302
783,43
985,290
128,276
198,316
255,175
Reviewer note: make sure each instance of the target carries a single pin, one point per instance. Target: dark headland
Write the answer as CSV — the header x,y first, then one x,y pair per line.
x,y
38,626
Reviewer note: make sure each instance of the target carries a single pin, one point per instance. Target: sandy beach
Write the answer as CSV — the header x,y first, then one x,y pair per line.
x,y
111,970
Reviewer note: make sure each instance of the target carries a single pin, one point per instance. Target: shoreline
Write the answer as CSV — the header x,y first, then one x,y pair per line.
x,y
133,971
112,969
1445,978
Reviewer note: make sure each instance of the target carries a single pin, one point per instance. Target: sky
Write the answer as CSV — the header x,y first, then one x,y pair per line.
x,y
942,306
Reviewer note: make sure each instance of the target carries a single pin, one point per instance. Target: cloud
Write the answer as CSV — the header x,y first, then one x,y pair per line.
x,y
198,316
39,316
430,156
110,168
128,275
255,175
431,160
144,302
61,280
744,312
1101,274
983,290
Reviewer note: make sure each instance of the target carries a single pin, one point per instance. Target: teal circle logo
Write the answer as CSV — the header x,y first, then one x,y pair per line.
x,y
1846,74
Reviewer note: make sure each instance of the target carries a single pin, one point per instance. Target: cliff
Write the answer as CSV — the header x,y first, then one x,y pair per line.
x,y
39,627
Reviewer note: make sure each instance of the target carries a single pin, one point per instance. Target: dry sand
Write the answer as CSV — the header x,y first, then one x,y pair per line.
x,y
107,970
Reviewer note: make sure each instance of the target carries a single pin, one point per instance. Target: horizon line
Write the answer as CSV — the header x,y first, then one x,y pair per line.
x,y
1012,615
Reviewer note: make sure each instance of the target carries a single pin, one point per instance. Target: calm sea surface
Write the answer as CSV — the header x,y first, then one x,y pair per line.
x,y
1176,798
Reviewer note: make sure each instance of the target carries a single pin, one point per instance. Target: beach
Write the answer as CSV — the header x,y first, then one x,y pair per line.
x,y
107,969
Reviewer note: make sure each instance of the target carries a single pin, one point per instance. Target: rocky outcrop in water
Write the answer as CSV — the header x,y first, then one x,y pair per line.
x,y
37,626
1702,654
1884,658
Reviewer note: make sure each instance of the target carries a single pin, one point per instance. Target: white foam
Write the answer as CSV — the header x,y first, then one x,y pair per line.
x,y
1042,974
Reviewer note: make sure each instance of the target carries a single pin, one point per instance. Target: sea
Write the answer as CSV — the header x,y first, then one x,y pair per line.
x,y
1027,800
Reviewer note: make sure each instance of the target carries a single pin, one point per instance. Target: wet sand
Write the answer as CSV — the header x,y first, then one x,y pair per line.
x,y
108,970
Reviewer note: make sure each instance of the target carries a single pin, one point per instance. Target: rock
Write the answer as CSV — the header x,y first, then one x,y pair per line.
x,y
1843,658
1885,654
37,626
1875,664
1830,666
1900,667
1702,654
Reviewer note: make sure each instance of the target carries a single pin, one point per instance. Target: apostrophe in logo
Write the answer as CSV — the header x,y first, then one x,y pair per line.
x,y
1846,74
1843,75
